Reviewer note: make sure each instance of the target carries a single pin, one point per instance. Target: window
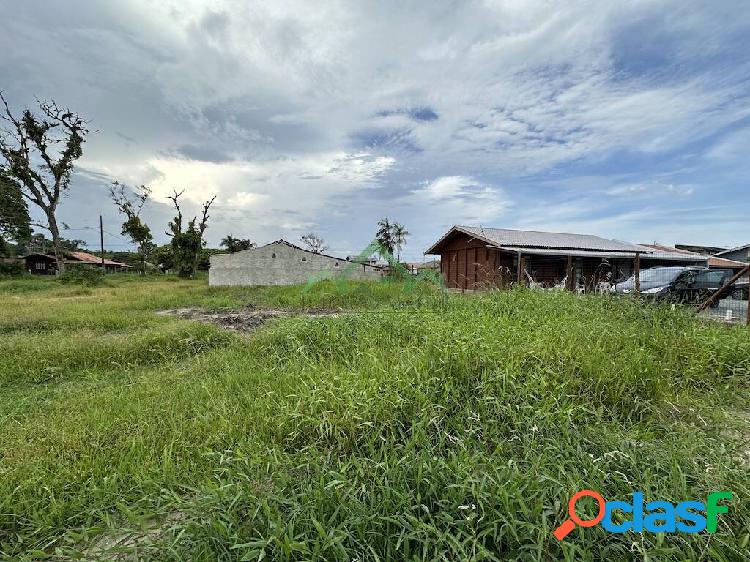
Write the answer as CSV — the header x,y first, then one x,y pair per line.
x,y
336,264
710,278
273,255
40,265
304,258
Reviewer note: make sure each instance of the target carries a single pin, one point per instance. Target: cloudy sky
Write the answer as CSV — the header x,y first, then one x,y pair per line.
x,y
626,119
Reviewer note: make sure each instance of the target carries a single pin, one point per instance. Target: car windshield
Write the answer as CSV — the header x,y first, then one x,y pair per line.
x,y
666,274
662,274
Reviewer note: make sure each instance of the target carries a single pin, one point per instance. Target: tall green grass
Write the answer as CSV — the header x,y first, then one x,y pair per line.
x,y
416,426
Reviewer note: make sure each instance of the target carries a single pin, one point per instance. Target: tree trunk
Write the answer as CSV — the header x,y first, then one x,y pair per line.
x,y
56,243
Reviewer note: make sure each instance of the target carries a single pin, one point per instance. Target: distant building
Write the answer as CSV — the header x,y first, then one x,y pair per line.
x,y
740,253
415,267
697,249
45,264
713,262
283,263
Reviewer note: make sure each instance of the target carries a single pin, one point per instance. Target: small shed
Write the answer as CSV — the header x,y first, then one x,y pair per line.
x,y
283,263
40,264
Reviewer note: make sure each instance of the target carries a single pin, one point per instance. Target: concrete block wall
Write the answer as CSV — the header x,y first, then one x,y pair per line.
x,y
279,263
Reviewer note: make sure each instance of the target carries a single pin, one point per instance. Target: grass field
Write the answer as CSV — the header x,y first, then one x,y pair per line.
x,y
413,426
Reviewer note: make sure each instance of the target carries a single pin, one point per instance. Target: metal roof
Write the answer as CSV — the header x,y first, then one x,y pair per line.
x,y
525,240
85,257
713,261
659,251
733,249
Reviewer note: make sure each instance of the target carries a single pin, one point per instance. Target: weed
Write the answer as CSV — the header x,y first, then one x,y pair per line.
x,y
419,426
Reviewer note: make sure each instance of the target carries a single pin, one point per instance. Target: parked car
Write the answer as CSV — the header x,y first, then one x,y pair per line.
x,y
677,284
740,290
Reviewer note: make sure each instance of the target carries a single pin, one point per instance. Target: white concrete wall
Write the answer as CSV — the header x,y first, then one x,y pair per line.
x,y
280,264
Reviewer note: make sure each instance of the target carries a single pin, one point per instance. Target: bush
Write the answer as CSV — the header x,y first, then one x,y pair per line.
x,y
82,275
11,269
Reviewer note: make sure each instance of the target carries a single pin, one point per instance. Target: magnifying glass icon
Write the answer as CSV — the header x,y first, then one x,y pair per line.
x,y
569,524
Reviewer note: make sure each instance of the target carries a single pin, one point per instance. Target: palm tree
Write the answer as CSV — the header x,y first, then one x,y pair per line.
x,y
384,235
233,244
399,234
230,243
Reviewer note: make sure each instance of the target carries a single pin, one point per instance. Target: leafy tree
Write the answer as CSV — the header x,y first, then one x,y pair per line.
x,y
14,213
40,244
40,152
187,244
163,257
314,243
133,227
233,244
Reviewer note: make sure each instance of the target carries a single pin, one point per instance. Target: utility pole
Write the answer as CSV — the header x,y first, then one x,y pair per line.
x,y
101,238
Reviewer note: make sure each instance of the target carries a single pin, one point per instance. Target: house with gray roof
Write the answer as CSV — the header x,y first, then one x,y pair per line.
x,y
474,257
740,253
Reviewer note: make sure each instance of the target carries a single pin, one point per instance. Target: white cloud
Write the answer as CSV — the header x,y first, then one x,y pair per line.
x,y
462,198
297,112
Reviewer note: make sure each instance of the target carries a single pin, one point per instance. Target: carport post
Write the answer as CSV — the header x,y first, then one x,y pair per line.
x,y
519,268
637,273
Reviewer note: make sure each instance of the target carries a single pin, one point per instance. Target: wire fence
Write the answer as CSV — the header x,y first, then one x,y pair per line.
x,y
714,287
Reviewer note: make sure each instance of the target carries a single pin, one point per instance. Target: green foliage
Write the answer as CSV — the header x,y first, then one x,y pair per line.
x,y
233,244
40,244
187,244
83,275
391,236
14,213
141,236
186,247
414,425
384,235
163,258
14,269
133,227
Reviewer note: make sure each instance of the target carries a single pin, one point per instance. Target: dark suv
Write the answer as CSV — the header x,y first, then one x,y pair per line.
x,y
678,284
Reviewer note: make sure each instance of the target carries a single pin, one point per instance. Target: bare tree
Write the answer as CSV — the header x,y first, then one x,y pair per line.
x,y
40,153
175,225
314,243
186,244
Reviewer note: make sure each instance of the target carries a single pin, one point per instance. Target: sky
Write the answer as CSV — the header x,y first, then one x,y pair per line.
x,y
628,120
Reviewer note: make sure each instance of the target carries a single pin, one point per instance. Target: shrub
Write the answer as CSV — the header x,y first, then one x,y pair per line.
x,y
82,275
11,269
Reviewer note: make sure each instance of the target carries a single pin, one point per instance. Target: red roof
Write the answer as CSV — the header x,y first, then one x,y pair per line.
x,y
85,257
713,261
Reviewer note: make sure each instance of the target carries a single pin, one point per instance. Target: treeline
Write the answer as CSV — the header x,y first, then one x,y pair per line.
x,y
38,154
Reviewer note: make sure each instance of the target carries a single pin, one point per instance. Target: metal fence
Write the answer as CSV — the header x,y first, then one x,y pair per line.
x,y
716,289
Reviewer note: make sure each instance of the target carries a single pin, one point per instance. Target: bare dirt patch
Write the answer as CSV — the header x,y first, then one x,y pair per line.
x,y
244,320
130,544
